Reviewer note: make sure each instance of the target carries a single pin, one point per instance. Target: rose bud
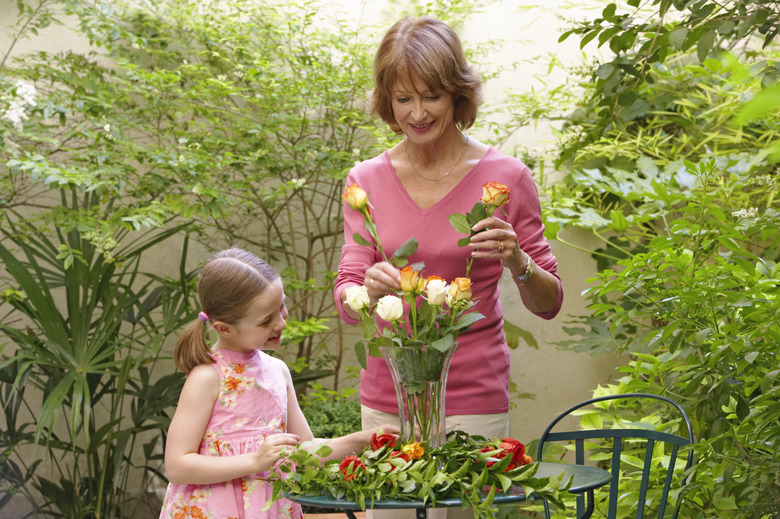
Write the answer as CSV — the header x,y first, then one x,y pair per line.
x,y
460,290
377,441
436,289
355,197
390,308
409,279
357,297
494,194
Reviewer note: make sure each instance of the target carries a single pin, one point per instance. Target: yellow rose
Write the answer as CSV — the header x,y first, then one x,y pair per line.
x,y
415,451
460,290
355,197
495,194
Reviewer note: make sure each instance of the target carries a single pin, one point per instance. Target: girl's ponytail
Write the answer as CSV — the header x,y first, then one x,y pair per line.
x,y
229,282
191,349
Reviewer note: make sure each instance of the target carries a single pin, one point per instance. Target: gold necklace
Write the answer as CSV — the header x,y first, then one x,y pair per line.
x,y
448,172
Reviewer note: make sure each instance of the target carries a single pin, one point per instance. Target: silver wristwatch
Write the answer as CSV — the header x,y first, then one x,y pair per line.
x,y
529,271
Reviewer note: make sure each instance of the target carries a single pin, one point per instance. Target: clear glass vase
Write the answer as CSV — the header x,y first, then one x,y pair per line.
x,y
420,379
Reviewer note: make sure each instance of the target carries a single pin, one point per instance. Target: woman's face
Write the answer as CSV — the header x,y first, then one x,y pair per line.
x,y
422,114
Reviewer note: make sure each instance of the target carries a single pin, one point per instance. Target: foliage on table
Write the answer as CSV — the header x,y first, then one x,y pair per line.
x,y
466,467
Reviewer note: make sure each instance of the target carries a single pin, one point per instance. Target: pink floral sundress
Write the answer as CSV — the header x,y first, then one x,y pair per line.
x,y
251,405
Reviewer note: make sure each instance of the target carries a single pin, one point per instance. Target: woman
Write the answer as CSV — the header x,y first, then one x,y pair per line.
x,y
426,91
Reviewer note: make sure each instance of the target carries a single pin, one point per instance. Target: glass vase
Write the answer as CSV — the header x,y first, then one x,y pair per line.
x,y
420,379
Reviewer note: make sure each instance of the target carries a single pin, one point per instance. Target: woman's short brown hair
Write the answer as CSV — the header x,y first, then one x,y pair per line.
x,y
430,49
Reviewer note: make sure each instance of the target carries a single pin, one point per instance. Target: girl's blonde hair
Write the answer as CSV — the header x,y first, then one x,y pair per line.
x,y
229,282
430,49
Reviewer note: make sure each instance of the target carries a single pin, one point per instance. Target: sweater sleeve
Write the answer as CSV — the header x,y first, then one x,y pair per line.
x,y
530,234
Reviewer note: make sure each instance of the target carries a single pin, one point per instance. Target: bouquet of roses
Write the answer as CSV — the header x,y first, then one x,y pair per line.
x,y
438,312
469,468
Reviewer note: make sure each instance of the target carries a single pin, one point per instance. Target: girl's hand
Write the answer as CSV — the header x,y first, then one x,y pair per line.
x,y
274,448
381,279
498,240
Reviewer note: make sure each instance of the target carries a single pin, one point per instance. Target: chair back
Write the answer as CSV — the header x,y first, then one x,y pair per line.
x,y
653,439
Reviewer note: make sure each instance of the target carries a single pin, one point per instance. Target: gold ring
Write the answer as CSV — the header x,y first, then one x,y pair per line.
x,y
500,247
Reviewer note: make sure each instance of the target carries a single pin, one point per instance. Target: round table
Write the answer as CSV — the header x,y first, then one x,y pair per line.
x,y
584,478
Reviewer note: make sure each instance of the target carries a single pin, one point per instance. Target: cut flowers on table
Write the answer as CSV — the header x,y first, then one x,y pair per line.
x,y
466,467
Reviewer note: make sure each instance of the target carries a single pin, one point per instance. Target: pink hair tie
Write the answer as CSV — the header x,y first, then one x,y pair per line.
x,y
203,317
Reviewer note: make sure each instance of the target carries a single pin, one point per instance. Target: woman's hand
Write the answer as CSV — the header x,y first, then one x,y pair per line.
x,y
381,279
498,240
273,448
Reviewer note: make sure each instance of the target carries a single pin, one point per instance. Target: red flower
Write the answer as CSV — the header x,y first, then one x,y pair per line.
x,y
349,467
509,447
513,447
379,441
397,454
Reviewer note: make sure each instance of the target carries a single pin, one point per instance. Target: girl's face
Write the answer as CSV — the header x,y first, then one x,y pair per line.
x,y
422,114
261,327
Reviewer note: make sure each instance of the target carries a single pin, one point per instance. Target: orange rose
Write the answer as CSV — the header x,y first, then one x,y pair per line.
x,y
411,280
494,194
415,450
355,197
460,290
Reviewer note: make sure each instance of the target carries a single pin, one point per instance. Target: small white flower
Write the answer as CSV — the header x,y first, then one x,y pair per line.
x,y
26,92
437,290
107,128
357,297
746,213
390,308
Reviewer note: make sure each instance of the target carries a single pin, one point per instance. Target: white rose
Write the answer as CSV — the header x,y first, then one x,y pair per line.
x,y
436,290
390,308
357,297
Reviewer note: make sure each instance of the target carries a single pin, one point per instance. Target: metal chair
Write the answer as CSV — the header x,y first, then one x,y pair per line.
x,y
619,436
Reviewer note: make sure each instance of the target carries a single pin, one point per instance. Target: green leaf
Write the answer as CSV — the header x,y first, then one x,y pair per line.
x,y
704,44
360,354
604,71
677,37
361,241
460,223
408,248
514,333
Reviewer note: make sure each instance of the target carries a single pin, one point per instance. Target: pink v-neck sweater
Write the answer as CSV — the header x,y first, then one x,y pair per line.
x,y
478,381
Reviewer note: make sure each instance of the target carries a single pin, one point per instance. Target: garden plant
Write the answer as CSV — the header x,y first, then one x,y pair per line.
x,y
183,128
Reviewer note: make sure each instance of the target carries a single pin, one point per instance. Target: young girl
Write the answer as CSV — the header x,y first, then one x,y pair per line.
x,y
237,412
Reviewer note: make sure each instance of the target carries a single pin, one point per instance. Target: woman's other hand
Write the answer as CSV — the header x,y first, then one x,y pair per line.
x,y
498,240
381,279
